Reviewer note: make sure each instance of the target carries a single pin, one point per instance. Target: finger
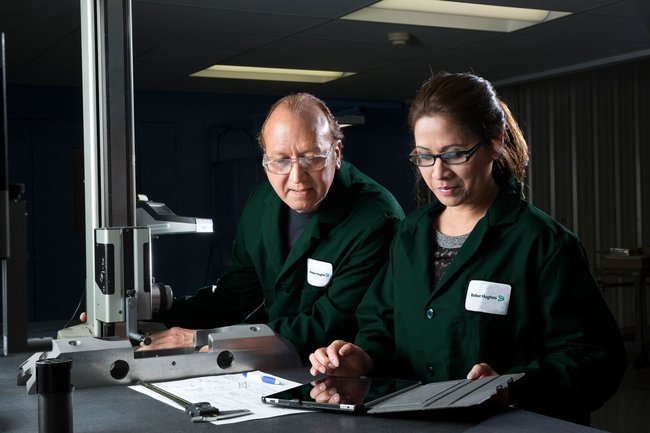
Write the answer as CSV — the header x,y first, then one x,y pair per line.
x,y
317,364
333,352
324,357
475,372
83,316
142,347
322,397
319,357
319,392
487,370
480,370
313,393
316,369
346,349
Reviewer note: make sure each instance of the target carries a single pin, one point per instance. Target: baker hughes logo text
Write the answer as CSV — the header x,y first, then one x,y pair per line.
x,y
487,297
319,274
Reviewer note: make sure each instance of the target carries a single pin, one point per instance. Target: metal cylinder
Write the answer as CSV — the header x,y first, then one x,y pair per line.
x,y
54,395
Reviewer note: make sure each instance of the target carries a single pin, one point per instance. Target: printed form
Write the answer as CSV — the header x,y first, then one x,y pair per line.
x,y
226,392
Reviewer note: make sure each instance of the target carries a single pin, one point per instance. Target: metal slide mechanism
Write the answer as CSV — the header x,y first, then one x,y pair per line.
x,y
120,290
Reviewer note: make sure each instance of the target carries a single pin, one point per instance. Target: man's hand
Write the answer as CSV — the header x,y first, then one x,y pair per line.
x,y
167,339
340,358
170,338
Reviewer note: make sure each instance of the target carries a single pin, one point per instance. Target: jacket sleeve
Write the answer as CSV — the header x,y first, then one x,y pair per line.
x,y
331,315
237,296
375,316
583,358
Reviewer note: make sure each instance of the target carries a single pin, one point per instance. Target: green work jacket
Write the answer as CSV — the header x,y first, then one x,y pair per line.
x,y
309,302
557,328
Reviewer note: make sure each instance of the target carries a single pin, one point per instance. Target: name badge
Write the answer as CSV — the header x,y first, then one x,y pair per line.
x,y
488,297
318,273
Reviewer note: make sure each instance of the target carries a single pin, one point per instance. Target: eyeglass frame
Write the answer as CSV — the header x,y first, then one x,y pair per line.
x,y
467,153
327,155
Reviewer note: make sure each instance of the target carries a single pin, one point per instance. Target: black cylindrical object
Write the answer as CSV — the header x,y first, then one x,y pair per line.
x,y
54,395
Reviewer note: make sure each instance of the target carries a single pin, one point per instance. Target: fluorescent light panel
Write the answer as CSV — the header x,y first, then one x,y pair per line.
x,y
270,74
457,15
346,120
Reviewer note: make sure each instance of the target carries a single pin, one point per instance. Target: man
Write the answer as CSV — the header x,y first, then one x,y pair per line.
x,y
308,244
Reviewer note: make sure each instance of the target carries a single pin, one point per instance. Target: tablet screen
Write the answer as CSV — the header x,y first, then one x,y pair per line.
x,y
354,392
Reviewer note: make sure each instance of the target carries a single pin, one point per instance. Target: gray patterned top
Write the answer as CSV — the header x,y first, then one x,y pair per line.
x,y
445,249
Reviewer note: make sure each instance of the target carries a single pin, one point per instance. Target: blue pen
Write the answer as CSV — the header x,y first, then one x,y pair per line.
x,y
263,377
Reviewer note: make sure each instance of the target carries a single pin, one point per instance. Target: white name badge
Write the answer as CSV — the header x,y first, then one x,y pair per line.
x,y
488,297
318,273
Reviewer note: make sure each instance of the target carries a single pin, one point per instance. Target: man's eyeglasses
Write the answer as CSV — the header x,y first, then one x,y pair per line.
x,y
447,158
307,163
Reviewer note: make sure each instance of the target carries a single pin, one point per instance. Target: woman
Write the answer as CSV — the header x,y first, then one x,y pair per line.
x,y
480,282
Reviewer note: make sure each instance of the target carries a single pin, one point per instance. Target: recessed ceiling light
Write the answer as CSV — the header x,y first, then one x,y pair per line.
x,y
452,14
271,74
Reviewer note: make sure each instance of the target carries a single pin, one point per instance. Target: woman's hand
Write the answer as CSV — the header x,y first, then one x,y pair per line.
x,y
340,358
484,370
481,370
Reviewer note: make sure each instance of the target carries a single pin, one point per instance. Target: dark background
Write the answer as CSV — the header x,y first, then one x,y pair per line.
x,y
579,85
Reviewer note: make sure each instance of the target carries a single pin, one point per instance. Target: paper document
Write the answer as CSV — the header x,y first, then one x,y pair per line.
x,y
227,392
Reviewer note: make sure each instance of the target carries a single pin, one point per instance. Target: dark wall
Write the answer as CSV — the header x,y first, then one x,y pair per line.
x,y
194,152
45,154
588,133
589,140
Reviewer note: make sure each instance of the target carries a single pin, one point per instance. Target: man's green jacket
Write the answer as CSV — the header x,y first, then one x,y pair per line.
x,y
310,295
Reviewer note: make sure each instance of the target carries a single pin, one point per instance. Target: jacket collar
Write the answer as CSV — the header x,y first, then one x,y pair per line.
x,y
336,206
505,207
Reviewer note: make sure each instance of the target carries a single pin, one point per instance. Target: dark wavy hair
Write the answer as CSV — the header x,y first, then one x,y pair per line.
x,y
472,102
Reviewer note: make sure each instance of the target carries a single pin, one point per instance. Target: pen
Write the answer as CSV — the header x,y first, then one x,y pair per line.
x,y
263,377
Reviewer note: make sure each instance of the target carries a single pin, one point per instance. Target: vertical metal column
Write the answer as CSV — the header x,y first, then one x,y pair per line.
x,y
13,256
109,144
15,296
4,163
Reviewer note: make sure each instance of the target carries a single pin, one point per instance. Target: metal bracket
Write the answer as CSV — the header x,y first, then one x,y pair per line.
x,y
98,362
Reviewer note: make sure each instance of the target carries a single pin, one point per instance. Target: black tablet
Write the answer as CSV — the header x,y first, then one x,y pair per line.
x,y
393,395
356,394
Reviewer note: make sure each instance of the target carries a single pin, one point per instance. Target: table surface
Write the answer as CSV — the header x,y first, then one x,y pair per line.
x,y
120,409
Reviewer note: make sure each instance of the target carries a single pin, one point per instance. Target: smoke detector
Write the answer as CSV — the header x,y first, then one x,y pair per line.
x,y
399,39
